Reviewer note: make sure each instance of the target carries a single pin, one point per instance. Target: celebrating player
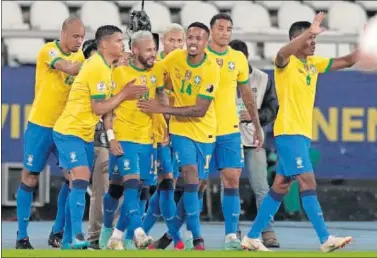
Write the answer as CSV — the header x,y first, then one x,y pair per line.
x,y
58,63
88,100
163,197
228,153
133,133
195,78
296,73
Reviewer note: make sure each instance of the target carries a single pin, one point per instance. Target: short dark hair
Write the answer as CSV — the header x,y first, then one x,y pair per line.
x,y
298,27
104,31
199,25
89,46
239,45
220,16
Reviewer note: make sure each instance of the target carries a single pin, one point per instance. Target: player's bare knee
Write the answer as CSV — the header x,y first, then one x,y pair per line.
x,y
231,177
307,181
190,174
116,191
80,173
203,185
29,178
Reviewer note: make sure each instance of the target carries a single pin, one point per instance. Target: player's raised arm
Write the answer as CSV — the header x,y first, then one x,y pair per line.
x,y
72,36
342,62
282,57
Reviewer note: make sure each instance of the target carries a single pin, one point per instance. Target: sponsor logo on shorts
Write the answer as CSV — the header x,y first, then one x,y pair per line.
x,y
299,162
73,157
30,159
126,164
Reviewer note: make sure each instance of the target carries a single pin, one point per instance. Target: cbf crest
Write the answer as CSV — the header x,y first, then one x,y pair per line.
x,y
153,79
220,62
143,79
197,79
313,69
231,65
73,156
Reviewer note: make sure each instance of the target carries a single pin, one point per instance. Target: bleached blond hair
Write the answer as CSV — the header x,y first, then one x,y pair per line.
x,y
173,27
140,36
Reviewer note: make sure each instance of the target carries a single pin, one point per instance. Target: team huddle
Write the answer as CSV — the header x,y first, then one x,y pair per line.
x,y
167,115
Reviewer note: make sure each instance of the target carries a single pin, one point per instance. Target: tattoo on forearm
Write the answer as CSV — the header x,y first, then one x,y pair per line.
x,y
187,111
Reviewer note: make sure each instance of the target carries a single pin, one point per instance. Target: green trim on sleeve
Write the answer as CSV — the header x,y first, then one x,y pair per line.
x,y
160,87
52,64
111,95
329,65
98,96
205,97
243,82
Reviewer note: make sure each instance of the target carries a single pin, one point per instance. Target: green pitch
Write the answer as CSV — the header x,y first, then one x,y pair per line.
x,y
109,253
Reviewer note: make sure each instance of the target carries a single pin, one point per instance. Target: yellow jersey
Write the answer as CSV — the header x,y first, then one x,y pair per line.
x,y
190,82
93,82
234,70
130,123
295,87
51,86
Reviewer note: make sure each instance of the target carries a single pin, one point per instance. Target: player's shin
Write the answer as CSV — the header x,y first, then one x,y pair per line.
x,y
144,196
314,212
60,214
67,235
77,205
110,204
231,208
24,202
153,212
191,205
269,206
167,204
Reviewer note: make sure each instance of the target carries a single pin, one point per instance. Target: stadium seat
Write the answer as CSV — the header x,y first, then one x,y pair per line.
x,y
325,49
319,5
174,4
368,5
158,13
252,49
19,54
225,5
97,13
75,3
48,15
197,11
271,49
127,3
259,20
346,17
12,16
291,12
25,3
272,5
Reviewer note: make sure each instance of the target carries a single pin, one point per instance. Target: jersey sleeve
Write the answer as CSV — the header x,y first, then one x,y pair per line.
x,y
210,83
97,84
243,75
322,64
50,55
160,77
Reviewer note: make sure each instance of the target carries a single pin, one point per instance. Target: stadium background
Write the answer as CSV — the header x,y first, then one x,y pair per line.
x,y
344,149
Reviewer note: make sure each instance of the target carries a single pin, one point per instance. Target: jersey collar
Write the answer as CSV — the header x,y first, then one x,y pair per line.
x,y
218,53
60,48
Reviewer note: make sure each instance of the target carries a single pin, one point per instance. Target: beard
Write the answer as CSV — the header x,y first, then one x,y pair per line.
x,y
144,62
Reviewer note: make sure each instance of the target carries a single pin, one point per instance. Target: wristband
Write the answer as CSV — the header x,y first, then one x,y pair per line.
x,y
110,135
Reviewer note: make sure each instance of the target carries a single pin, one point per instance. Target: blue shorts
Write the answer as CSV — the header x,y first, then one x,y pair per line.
x,y
293,154
164,160
190,152
137,159
38,145
74,151
228,152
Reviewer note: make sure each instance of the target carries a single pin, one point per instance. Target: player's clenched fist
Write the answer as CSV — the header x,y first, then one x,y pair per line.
x,y
132,91
115,148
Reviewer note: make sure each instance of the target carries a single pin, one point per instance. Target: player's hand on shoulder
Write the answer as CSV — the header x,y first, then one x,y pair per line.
x,y
132,91
115,148
316,28
149,106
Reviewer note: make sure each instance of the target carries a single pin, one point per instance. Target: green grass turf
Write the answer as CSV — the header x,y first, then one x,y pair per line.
x,y
109,253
